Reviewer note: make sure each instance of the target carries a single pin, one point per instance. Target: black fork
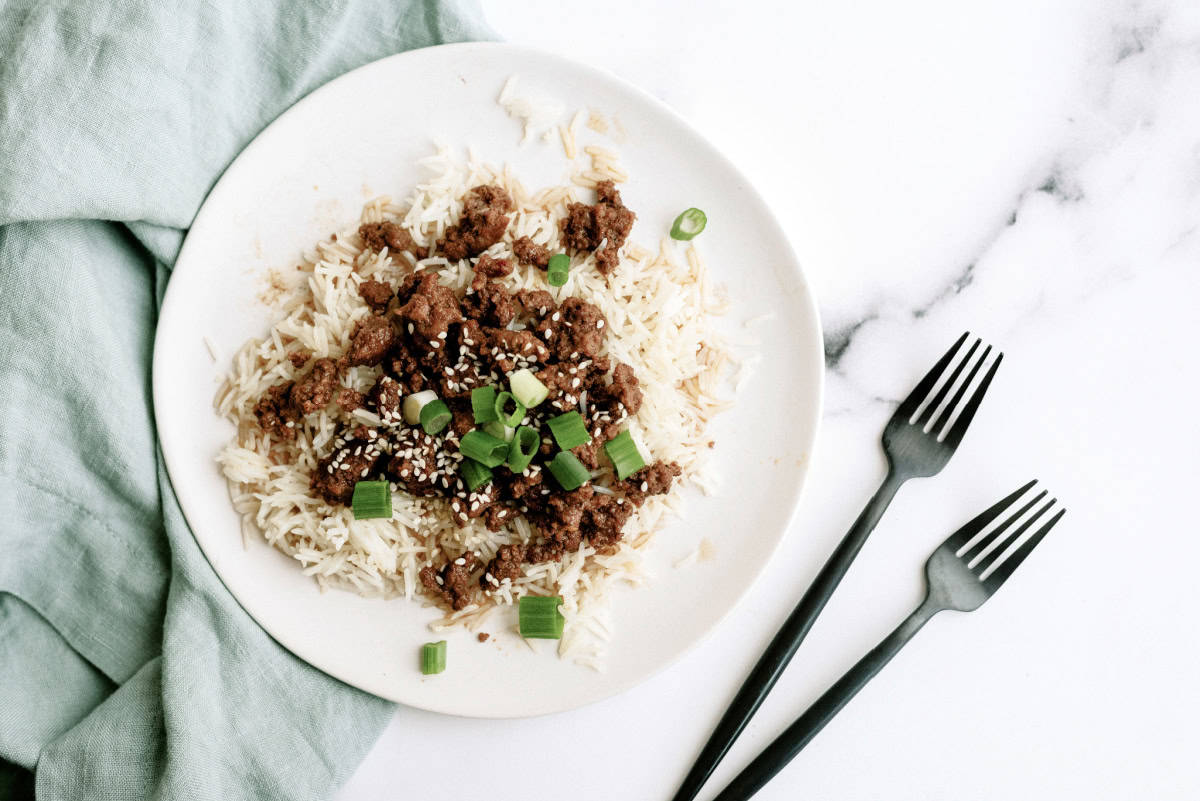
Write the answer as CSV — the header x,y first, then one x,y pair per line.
x,y
920,438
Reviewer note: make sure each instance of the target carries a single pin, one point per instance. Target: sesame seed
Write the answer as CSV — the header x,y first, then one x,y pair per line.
x,y
358,451
439,580
489,577
599,324
645,486
575,382
435,344
441,335
363,474
456,506
547,333
344,467
404,473
330,468
410,328
555,317
290,423
460,561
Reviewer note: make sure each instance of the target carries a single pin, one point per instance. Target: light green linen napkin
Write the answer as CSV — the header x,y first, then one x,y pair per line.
x,y
127,671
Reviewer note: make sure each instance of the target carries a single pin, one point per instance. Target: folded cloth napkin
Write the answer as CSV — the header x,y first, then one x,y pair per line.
x,y
127,671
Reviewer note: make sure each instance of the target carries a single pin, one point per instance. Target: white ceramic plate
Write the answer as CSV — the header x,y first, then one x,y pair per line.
x,y
306,176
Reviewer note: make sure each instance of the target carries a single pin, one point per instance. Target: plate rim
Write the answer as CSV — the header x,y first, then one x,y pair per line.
x,y
799,474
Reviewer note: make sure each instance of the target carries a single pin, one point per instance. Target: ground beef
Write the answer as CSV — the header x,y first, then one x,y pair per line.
x,y
483,222
496,516
377,294
487,267
601,228
490,304
530,253
574,331
623,393
387,396
604,520
372,339
558,521
482,636
453,582
513,350
314,391
275,413
377,236
537,303
505,565
350,462
405,369
429,310
464,419
348,399
299,358
653,479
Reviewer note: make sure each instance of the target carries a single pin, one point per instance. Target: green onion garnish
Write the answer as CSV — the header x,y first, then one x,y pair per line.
x,y
524,447
433,657
474,474
688,224
414,403
624,455
435,416
568,471
558,268
484,448
568,430
498,430
527,389
539,618
483,404
512,418
372,499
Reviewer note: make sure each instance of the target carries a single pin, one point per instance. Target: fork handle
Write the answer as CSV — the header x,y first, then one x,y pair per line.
x,y
785,747
771,664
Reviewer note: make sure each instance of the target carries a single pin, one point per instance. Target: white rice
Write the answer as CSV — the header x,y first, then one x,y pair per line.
x,y
658,309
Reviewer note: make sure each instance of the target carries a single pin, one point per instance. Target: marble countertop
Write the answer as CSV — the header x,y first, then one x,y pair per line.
x,y
1029,171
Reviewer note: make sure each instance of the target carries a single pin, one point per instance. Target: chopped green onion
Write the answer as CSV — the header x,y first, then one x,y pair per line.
x,y
539,618
435,416
414,403
433,657
474,474
509,419
498,430
557,269
568,430
372,499
568,471
624,455
688,224
484,448
527,389
524,447
483,404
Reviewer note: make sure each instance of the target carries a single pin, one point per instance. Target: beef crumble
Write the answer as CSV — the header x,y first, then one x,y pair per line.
x,y
602,228
380,235
531,253
483,222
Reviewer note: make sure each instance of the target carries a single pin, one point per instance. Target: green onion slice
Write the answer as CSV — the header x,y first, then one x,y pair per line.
x,y
372,499
513,418
568,430
483,404
539,618
527,389
688,224
474,475
484,448
558,269
435,416
433,657
414,403
624,455
524,447
568,471
499,430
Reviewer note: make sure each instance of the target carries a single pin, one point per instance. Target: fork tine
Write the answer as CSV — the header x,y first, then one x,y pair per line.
x,y
927,415
1002,534
955,434
964,535
1007,563
937,427
908,407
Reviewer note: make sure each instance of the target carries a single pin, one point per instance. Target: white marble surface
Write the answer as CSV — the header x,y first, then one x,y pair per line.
x,y
1027,170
